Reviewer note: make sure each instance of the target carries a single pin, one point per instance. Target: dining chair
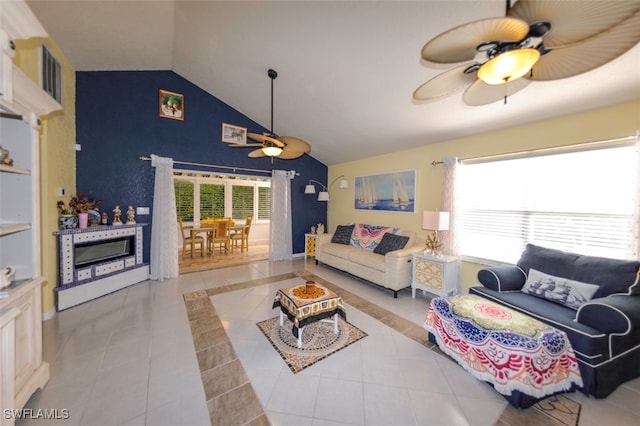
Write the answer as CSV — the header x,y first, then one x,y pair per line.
x,y
219,235
242,236
188,242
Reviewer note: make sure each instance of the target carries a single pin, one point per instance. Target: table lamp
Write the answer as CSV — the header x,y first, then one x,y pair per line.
x,y
435,221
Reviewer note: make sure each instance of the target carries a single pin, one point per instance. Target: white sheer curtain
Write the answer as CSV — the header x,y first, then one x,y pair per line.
x,y
164,236
280,241
449,204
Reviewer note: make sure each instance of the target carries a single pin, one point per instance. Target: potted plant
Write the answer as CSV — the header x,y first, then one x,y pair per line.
x,y
66,217
82,203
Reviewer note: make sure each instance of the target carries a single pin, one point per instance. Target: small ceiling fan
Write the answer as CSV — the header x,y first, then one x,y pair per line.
x,y
272,145
538,40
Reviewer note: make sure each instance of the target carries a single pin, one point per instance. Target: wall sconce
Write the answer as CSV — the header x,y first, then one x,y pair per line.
x,y
435,221
324,194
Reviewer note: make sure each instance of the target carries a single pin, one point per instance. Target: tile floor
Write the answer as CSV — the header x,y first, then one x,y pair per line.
x,y
129,359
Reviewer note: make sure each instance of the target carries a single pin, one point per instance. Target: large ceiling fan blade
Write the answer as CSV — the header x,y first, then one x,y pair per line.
x,y
581,57
459,44
257,153
574,21
290,155
294,144
481,93
245,145
265,138
444,84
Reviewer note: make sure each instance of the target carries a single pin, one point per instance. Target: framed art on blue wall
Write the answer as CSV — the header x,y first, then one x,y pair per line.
x,y
171,105
394,191
234,134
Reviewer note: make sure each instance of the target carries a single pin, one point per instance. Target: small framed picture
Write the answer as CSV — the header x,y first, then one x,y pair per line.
x,y
171,105
234,134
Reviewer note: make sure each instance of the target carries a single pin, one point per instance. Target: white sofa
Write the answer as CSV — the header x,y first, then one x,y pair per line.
x,y
391,270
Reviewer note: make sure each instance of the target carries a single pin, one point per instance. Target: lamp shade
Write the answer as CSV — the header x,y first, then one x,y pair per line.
x,y
436,221
508,66
310,189
323,196
343,183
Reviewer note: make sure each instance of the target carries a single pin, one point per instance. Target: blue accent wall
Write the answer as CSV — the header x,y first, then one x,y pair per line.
x,y
117,121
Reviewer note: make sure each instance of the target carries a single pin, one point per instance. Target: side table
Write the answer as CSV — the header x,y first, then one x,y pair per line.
x,y
309,245
303,308
435,274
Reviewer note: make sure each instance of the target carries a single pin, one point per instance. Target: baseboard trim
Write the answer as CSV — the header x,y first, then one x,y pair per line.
x,y
46,316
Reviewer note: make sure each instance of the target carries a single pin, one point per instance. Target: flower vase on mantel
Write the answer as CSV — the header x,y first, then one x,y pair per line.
x,y
83,220
67,221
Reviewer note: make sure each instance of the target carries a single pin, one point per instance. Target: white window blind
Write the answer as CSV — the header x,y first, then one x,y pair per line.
x,y
264,202
581,202
211,200
241,201
184,199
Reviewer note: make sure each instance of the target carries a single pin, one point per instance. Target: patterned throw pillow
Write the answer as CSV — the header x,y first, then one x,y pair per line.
x,y
342,234
369,236
391,242
564,291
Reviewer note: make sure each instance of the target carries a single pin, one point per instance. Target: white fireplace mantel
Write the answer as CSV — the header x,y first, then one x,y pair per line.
x,y
80,283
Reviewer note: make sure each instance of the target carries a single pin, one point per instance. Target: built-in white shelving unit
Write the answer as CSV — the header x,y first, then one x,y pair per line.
x,y
22,102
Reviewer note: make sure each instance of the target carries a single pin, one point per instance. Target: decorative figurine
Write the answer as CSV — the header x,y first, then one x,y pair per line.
x,y
116,216
313,229
131,215
5,158
105,219
320,228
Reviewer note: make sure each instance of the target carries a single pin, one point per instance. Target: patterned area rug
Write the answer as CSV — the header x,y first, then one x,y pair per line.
x,y
318,341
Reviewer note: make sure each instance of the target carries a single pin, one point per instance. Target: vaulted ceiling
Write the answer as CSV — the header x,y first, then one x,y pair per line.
x,y
347,69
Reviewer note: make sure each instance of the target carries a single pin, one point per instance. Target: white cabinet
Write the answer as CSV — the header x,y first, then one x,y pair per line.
x,y
22,101
435,274
30,372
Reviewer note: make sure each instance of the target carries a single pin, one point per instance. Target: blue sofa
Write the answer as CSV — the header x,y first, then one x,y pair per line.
x,y
604,330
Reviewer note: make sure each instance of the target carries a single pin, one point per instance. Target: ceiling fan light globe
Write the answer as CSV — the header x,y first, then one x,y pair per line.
x,y
508,66
272,151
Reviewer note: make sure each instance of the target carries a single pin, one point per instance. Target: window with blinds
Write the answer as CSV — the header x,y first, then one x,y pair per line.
x,y
241,201
264,203
51,75
211,200
184,191
200,196
581,202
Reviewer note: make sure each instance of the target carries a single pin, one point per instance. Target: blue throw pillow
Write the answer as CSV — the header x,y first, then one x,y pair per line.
x,y
342,234
391,242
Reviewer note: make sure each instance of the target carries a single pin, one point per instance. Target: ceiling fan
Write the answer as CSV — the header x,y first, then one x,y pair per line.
x,y
538,40
272,145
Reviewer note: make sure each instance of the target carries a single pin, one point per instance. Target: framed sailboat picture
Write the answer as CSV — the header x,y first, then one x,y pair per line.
x,y
394,191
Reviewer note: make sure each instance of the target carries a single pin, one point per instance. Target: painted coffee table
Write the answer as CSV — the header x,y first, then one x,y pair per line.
x,y
304,306
522,358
